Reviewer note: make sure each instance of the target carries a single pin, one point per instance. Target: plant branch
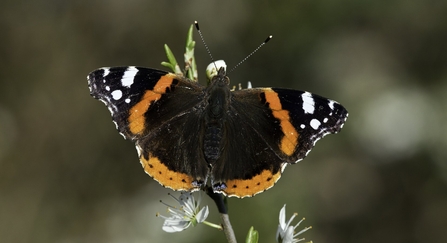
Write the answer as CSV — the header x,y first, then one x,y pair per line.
x,y
222,208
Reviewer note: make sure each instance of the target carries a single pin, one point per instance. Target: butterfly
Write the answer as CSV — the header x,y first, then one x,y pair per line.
x,y
188,135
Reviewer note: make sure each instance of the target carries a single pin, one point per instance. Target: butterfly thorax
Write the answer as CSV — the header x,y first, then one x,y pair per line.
x,y
218,98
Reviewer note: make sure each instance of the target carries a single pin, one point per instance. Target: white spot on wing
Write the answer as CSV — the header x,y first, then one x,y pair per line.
x,y
107,88
307,153
116,126
283,167
308,103
129,76
106,72
331,104
139,150
117,94
315,124
105,102
325,120
302,126
127,100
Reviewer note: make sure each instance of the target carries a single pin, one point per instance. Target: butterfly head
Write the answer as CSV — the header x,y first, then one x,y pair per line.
x,y
220,79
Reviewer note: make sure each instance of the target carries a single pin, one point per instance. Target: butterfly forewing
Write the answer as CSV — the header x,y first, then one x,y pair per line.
x,y
141,99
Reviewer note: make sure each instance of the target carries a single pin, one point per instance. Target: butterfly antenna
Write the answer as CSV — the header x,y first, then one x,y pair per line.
x,y
253,52
203,41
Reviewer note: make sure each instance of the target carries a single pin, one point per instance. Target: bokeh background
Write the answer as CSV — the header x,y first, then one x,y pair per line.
x,y
66,175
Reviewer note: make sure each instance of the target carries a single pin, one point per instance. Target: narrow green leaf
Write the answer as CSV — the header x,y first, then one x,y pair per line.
x,y
171,58
190,61
172,62
168,65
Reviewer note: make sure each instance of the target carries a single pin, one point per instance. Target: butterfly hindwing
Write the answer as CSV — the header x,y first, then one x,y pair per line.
x,y
164,157
248,164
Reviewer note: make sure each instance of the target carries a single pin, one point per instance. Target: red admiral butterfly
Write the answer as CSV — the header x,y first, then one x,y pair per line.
x,y
187,134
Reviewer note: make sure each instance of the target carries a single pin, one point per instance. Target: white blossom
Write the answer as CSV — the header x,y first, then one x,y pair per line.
x,y
182,217
286,232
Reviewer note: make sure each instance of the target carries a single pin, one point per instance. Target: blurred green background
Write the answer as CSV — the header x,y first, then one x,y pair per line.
x,y
66,175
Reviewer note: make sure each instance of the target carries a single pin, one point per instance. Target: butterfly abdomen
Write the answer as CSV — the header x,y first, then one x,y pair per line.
x,y
215,116
212,142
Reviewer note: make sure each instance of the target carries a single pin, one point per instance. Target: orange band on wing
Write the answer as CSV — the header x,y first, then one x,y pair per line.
x,y
290,139
250,187
166,177
136,114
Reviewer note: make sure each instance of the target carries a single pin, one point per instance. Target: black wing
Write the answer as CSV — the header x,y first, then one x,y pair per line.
x,y
160,111
280,127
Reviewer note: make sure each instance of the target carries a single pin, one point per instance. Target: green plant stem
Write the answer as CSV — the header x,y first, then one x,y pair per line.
x,y
216,226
